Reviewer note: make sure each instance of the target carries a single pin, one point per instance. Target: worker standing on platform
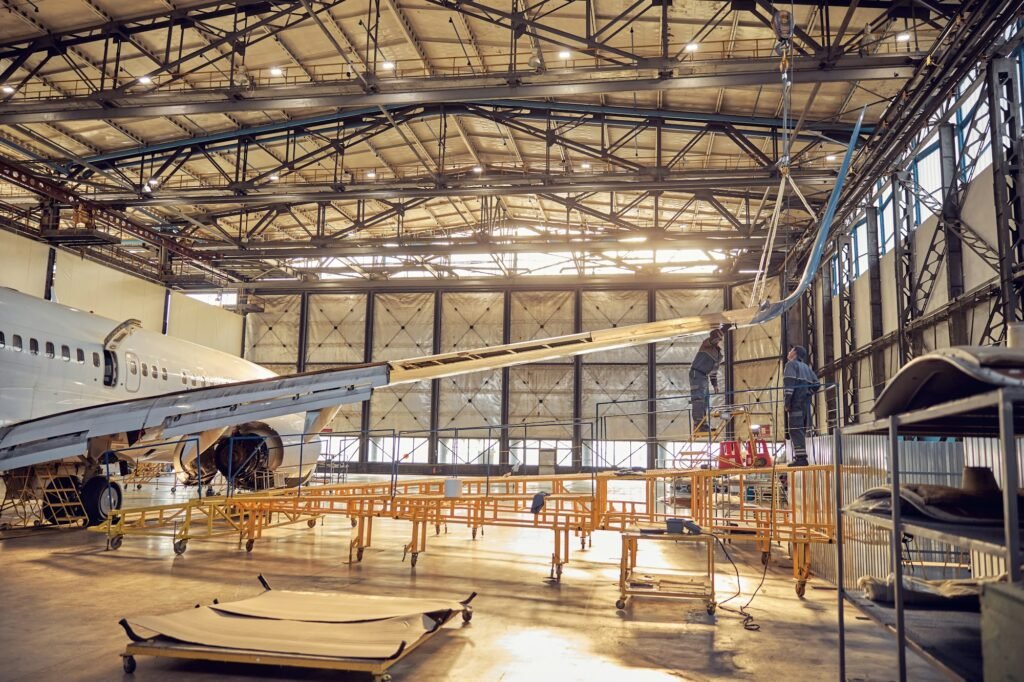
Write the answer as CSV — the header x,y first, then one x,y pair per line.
x,y
703,370
799,383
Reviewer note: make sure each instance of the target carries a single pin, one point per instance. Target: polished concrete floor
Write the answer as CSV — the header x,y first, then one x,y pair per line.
x,y
62,593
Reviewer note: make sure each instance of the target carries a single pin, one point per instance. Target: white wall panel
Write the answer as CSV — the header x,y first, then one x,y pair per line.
x,y
471,320
979,211
890,289
205,324
90,286
272,337
23,264
609,310
673,303
673,412
336,327
862,310
403,408
541,393
403,326
759,385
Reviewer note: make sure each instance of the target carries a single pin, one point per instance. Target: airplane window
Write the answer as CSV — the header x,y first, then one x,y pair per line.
x,y
163,373
145,370
193,381
3,340
49,349
33,347
65,353
133,367
80,357
184,377
16,342
95,359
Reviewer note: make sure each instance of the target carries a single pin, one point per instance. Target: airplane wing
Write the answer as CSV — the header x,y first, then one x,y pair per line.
x,y
66,434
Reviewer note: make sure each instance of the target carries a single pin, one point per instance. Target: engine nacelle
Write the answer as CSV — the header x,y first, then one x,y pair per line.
x,y
249,456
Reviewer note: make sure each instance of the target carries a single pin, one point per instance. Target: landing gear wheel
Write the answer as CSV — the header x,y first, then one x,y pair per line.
x,y
100,497
800,588
128,662
765,556
115,542
467,614
711,608
249,544
173,489
412,559
620,604
180,546
311,523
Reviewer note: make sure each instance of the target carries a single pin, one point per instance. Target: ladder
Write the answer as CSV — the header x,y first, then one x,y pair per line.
x,y
37,494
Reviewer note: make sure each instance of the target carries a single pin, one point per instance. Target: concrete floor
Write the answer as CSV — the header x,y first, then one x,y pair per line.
x,y
63,593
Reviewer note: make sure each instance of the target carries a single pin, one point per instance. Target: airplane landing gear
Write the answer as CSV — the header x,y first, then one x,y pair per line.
x,y
100,497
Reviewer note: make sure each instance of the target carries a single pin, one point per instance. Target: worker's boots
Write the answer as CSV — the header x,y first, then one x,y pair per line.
x,y
799,461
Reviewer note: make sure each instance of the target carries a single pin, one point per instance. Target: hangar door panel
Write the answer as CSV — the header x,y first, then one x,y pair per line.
x,y
403,408
759,386
470,400
403,326
537,394
761,340
612,309
541,314
618,395
272,337
673,406
335,328
350,416
471,320
672,303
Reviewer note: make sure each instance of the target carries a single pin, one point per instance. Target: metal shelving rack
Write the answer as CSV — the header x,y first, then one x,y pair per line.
x,y
951,641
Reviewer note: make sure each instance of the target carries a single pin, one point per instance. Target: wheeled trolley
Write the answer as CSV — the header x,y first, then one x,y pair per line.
x,y
634,583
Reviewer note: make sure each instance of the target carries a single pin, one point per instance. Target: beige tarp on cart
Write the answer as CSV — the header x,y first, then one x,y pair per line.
x,y
318,607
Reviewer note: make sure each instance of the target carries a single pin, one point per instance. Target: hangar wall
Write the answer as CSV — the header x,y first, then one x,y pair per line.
x,y
561,403
88,285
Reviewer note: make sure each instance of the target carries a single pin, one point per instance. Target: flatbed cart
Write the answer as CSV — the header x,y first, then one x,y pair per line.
x,y
633,583
164,647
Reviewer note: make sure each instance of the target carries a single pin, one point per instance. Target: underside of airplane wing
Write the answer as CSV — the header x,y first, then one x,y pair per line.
x,y
172,415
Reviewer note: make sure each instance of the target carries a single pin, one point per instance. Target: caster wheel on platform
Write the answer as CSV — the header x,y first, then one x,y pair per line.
x,y
249,544
474,533
180,546
209,491
115,542
412,559
765,556
467,615
711,608
311,523
801,587
386,677
620,604
174,490
138,486
354,522
359,554
129,664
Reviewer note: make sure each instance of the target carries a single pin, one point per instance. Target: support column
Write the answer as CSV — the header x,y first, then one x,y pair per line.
x,y
1004,87
875,297
906,278
504,445
303,332
847,330
435,386
51,268
951,231
828,338
364,440
652,386
577,388
729,359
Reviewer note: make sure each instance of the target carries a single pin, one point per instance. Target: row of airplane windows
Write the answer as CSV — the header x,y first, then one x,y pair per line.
x,y
50,351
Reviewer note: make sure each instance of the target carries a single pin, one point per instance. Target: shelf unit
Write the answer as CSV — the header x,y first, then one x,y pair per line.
x,y
949,640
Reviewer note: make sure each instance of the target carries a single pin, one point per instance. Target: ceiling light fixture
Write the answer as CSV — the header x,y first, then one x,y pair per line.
x,y
830,157
8,90
147,188
371,174
478,169
565,54
145,80
152,182
388,66
276,71
692,47
633,240
275,177
585,165
903,37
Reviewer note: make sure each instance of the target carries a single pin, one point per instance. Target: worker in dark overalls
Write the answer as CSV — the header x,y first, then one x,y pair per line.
x,y
799,385
704,370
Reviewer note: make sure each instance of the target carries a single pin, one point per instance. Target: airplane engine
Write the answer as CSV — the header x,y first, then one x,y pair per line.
x,y
250,455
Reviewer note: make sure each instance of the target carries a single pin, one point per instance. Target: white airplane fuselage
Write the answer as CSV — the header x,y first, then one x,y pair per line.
x,y
53,358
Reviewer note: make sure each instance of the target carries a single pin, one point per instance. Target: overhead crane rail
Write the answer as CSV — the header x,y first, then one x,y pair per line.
x,y
758,505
